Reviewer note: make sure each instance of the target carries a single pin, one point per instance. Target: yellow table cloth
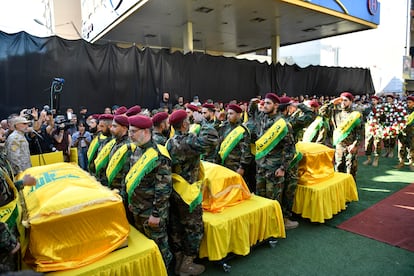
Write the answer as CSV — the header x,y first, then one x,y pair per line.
x,y
46,158
141,257
239,227
324,200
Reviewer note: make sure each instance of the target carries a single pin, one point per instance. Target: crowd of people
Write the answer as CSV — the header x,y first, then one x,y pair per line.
x,y
153,158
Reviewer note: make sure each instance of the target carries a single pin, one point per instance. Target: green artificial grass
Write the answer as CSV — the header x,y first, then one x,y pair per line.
x,y
323,249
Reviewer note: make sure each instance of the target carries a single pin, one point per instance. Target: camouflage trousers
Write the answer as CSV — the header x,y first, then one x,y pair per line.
x,y
281,189
405,149
345,161
372,145
157,234
9,262
186,229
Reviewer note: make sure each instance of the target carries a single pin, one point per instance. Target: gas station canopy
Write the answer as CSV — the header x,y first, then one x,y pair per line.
x,y
233,26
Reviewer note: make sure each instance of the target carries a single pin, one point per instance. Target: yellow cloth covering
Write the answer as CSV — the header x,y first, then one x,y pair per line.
x,y
46,158
316,164
239,227
222,188
323,200
68,218
141,257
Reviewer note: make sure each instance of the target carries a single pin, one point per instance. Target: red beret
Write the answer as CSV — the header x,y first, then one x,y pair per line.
x,y
192,107
134,110
313,103
121,120
121,110
96,116
235,107
273,97
285,100
177,116
347,95
410,98
159,117
208,105
106,117
140,121
375,97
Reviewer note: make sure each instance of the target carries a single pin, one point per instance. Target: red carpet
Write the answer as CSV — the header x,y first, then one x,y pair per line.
x,y
390,220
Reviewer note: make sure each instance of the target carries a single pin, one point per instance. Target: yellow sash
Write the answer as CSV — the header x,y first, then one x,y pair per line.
x,y
145,164
103,156
9,213
191,194
93,147
312,129
194,128
410,119
231,140
271,138
117,161
342,131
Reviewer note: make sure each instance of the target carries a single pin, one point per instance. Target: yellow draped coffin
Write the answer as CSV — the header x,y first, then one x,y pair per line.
x,y
73,220
316,164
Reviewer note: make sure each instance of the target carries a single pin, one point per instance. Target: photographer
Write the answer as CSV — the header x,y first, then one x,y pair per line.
x,y
62,140
81,140
39,134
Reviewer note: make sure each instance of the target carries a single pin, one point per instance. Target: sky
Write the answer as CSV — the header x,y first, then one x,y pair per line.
x,y
381,50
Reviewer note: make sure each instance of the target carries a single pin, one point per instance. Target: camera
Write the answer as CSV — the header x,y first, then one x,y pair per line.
x,y
28,114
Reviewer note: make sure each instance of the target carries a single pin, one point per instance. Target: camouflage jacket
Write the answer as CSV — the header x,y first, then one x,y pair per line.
x,y
338,116
159,138
117,181
301,119
185,150
240,156
151,196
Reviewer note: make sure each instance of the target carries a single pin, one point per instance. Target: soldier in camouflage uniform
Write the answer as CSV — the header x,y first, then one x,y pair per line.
x,y
149,198
299,116
210,120
272,167
161,128
186,228
102,137
346,149
9,243
372,125
239,157
17,146
406,137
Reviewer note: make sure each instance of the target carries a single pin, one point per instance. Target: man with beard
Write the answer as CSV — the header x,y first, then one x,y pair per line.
x,y
234,150
192,112
186,223
275,149
209,120
346,133
102,137
161,128
149,184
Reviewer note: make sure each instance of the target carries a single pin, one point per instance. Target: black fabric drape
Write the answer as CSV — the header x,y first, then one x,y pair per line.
x,y
97,76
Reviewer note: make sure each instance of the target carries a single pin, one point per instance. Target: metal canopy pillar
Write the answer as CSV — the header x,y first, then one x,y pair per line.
x,y
275,48
188,37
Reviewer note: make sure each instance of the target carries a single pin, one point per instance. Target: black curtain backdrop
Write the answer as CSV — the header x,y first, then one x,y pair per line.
x,y
97,76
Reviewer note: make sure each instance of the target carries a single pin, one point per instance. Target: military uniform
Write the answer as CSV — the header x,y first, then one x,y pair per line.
x,y
185,150
8,230
267,184
406,143
151,197
240,157
159,138
18,152
345,161
210,154
300,119
101,140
